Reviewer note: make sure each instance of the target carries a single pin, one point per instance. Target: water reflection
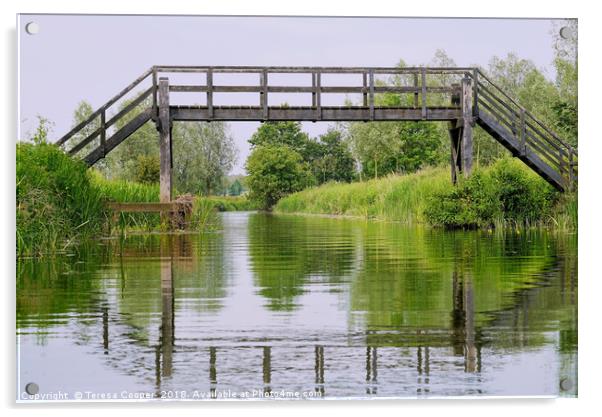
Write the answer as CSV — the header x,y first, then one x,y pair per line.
x,y
332,307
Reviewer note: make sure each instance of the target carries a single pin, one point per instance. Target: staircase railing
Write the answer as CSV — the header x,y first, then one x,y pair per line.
x,y
99,117
532,134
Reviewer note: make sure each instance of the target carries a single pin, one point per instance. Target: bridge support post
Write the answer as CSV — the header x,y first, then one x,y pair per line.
x,y
165,148
467,123
455,135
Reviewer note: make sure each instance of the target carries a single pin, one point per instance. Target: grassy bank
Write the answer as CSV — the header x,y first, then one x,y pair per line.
x,y
57,203
506,194
61,203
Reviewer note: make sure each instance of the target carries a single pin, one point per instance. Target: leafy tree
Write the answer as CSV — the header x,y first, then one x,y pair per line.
x,y
275,171
82,112
43,128
335,161
400,147
283,133
204,153
235,188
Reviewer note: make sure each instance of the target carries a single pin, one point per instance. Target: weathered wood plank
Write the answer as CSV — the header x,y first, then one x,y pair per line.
x,y
467,126
132,105
119,136
165,182
153,207
255,113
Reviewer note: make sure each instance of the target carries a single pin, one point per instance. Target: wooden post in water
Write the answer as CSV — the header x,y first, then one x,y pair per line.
x,y
164,127
167,303
467,123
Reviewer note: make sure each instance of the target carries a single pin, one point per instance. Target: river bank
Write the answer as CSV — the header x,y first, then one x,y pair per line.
x,y
60,203
505,194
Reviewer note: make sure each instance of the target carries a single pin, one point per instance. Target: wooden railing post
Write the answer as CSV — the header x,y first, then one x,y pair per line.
x,y
523,132
423,85
318,96
103,131
365,89
264,94
155,111
371,96
416,91
210,93
475,87
164,125
467,122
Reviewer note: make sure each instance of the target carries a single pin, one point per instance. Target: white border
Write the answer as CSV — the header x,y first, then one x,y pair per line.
x,y
590,154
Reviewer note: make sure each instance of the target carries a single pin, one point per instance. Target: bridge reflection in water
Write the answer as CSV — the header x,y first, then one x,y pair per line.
x,y
338,308
465,338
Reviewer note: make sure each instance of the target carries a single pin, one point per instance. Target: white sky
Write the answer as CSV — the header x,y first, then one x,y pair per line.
x,y
75,57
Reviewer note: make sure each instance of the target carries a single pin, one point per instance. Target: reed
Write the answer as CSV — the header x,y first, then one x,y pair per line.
x,y
502,196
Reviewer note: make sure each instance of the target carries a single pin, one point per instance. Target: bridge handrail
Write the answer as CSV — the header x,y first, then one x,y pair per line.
x,y
481,75
102,109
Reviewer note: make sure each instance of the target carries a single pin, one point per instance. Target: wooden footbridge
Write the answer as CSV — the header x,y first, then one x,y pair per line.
x,y
462,97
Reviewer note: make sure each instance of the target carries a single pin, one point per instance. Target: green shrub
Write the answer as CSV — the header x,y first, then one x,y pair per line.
x,y
505,194
147,169
471,204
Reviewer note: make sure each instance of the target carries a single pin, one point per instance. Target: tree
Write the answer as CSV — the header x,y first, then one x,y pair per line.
x,y
283,133
335,161
235,189
81,113
204,153
400,147
275,171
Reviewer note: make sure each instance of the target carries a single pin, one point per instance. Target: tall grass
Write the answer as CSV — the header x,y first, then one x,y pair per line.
x,y
122,191
399,198
504,195
57,205
233,203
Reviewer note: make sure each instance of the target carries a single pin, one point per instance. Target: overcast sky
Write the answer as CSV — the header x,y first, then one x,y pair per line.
x,y
93,57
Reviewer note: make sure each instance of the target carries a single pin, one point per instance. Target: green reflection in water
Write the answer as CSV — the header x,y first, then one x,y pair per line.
x,y
154,304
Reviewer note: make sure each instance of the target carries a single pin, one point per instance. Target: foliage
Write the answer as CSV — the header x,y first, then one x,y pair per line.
x,y
328,156
395,147
56,202
399,198
123,191
333,160
282,134
203,154
275,171
505,194
233,203
147,169
236,188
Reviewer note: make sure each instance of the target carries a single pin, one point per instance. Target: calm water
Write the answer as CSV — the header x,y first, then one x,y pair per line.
x,y
315,307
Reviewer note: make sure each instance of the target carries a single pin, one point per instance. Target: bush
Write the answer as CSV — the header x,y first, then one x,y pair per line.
x,y
147,169
275,171
56,202
471,204
506,193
